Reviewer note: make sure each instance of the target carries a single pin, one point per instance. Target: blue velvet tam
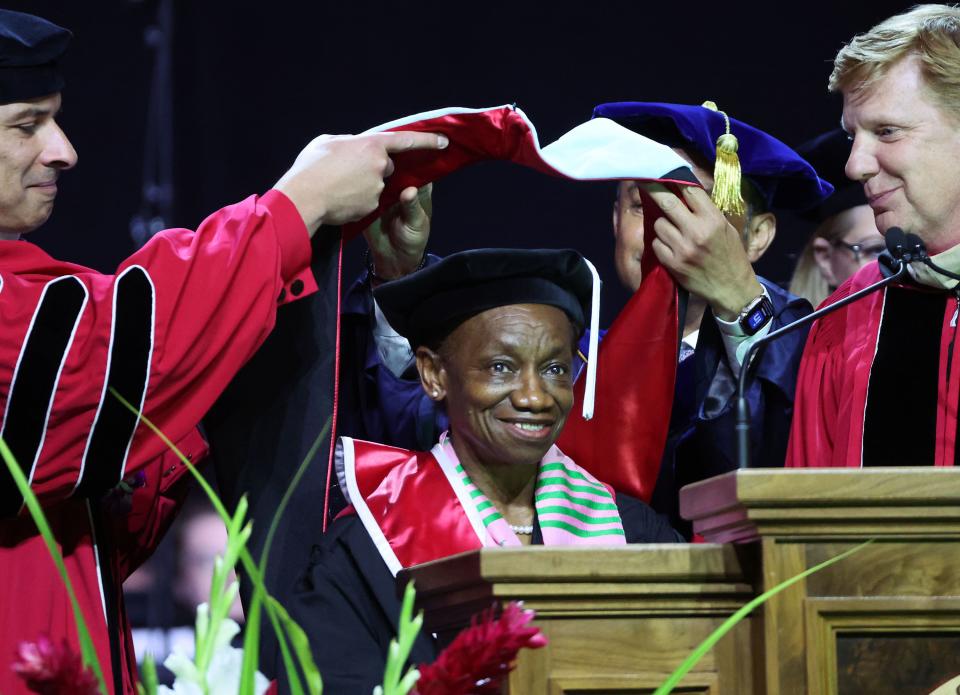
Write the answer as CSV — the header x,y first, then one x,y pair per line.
x,y
30,50
782,177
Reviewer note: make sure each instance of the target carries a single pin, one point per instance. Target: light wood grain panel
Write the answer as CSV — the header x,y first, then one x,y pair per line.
x,y
810,503
888,568
783,618
612,616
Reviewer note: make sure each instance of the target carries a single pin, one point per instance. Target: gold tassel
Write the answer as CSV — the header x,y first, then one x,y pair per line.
x,y
726,169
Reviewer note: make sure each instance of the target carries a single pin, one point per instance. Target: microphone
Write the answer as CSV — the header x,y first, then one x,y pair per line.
x,y
902,250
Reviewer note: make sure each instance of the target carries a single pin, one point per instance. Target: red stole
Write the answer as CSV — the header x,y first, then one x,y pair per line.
x,y
416,507
623,444
403,499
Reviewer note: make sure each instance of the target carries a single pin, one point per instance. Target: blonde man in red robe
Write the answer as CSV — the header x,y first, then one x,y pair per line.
x,y
878,383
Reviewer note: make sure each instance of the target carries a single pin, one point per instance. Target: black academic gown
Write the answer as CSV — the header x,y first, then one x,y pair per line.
x,y
349,603
270,420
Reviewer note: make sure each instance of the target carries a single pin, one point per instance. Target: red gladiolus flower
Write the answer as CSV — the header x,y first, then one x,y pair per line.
x,y
481,656
49,669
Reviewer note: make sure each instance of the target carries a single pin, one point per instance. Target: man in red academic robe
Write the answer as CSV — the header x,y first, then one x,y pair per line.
x,y
878,383
168,331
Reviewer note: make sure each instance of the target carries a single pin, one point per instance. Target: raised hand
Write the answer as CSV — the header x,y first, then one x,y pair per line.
x,y
339,178
398,240
703,251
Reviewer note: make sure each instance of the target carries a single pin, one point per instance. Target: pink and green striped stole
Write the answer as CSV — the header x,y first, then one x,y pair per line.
x,y
573,507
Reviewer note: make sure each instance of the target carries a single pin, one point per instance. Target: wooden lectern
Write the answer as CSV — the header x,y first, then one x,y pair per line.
x,y
619,620
886,620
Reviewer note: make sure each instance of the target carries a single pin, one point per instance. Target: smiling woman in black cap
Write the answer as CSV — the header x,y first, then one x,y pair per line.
x,y
495,333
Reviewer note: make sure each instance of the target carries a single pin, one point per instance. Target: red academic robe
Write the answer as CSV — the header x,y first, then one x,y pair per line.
x,y
878,382
168,330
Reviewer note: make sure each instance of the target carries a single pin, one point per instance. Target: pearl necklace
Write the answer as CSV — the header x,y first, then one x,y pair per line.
x,y
522,530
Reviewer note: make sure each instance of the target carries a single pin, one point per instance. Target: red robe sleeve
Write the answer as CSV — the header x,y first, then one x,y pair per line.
x,y
140,510
168,331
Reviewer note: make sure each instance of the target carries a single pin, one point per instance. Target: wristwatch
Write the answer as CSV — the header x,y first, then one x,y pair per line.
x,y
756,314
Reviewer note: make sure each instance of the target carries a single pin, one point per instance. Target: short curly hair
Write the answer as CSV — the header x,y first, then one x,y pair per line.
x,y
929,32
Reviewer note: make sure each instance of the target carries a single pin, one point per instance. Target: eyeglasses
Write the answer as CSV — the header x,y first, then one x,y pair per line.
x,y
863,252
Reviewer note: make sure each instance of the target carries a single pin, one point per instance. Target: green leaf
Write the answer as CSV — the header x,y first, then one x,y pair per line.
x,y
211,495
398,653
288,493
409,680
301,646
251,649
251,642
250,568
306,664
87,650
201,628
148,684
729,623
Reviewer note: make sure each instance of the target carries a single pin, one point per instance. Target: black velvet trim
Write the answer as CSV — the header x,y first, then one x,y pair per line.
x,y
682,174
900,423
35,381
110,594
453,306
28,82
130,350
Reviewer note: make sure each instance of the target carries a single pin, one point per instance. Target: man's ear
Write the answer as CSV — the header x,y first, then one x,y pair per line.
x,y
822,254
761,231
433,376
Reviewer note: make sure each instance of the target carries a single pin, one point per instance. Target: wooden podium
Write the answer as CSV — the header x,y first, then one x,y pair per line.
x,y
886,620
619,620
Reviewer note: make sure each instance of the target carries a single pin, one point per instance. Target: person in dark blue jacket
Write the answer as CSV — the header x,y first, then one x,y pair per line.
x,y
710,255
729,306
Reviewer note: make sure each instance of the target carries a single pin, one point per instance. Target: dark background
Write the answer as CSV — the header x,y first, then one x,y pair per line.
x,y
253,83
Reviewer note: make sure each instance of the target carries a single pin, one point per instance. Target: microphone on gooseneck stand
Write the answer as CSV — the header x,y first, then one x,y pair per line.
x,y
903,249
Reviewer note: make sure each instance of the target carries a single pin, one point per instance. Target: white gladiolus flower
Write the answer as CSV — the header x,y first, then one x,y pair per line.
x,y
223,674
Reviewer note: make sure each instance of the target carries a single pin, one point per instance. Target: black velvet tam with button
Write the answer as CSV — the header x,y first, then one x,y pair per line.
x,y
828,153
425,306
30,48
